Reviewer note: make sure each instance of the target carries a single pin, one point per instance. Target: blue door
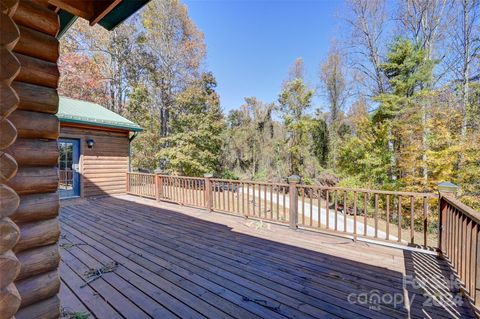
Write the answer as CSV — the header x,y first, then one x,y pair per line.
x,y
69,185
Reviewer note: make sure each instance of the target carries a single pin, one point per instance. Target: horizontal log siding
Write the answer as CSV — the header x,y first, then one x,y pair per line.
x,y
102,167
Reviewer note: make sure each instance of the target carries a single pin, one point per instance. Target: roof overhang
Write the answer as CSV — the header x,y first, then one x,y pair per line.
x,y
99,124
107,13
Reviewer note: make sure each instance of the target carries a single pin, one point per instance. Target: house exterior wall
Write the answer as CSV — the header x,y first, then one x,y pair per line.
x,y
103,167
29,205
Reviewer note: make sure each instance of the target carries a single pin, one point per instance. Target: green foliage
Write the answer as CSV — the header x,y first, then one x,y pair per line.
x,y
295,98
423,128
408,71
195,143
254,141
229,175
320,140
145,146
365,155
407,68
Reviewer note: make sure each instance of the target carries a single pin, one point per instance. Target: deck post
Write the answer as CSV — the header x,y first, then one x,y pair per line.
x,y
293,180
208,191
450,190
158,187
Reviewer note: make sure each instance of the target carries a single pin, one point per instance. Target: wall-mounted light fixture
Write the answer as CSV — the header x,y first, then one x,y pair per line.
x,y
90,143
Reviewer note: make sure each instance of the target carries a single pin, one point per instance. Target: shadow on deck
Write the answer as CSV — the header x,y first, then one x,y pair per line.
x,y
168,261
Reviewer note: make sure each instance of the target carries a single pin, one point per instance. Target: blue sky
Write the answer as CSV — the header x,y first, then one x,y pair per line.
x,y
251,44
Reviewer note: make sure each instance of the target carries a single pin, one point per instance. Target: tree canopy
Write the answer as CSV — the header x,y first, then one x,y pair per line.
x,y
397,112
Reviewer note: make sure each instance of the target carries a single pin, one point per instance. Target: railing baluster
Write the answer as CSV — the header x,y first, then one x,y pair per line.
x,y
355,215
476,275
399,217
223,196
464,246
327,210
345,211
455,240
412,219
461,253
468,255
387,227
248,198
184,188
425,221
191,193
242,185
179,190
259,200
254,202
214,195
271,201
319,208
303,206
311,208
376,215
278,202
265,200
238,197
228,196
365,214
195,192
336,210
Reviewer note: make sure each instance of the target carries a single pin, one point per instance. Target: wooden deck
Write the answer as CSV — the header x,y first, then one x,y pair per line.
x,y
169,261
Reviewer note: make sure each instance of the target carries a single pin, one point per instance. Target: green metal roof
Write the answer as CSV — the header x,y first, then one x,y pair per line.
x,y
82,112
121,12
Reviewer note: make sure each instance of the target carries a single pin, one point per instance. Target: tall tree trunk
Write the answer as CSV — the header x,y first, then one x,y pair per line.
x,y
465,68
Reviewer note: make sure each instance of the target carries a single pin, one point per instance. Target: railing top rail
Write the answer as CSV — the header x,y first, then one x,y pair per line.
x,y
139,173
371,191
464,209
181,177
248,181
317,187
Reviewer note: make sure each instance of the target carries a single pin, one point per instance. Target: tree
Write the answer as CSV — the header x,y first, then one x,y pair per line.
x,y
82,79
195,141
368,22
114,60
332,77
295,99
146,145
365,156
320,140
177,49
424,21
465,60
253,139
407,71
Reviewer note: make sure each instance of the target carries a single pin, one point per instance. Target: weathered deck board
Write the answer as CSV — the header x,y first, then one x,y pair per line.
x,y
183,262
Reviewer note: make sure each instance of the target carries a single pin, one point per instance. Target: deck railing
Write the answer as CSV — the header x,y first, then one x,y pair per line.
x,y
460,244
257,200
399,217
402,217
406,218
141,184
183,190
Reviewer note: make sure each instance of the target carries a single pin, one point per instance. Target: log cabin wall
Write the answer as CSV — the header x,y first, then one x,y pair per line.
x,y
103,167
29,122
9,232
